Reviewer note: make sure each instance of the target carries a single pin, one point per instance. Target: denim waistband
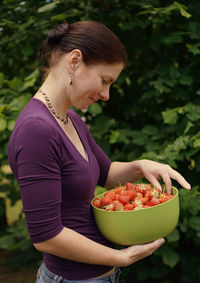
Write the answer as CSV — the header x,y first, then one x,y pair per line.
x,y
46,276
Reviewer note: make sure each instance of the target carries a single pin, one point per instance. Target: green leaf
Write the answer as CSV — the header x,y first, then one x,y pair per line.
x,y
20,101
2,124
150,130
184,13
48,7
114,136
15,83
170,257
2,78
184,225
95,108
196,143
182,8
99,190
6,242
139,138
11,125
194,49
170,117
186,80
194,223
189,125
173,38
59,17
174,236
30,79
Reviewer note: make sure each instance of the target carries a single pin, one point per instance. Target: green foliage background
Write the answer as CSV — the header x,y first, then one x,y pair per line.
x,y
153,112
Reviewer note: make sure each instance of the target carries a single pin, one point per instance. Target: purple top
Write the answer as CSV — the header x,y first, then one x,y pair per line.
x,y
56,183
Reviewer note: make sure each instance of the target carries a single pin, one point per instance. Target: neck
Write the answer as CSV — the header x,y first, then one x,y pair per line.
x,y
56,92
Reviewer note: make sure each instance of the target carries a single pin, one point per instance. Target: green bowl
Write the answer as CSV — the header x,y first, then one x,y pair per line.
x,y
138,226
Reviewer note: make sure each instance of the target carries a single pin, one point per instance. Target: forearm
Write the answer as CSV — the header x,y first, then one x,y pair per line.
x,y
122,172
73,246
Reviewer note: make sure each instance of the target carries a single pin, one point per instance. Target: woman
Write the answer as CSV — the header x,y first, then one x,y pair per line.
x,y
58,164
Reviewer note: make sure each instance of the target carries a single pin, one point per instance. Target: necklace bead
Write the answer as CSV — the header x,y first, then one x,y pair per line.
x,y
65,121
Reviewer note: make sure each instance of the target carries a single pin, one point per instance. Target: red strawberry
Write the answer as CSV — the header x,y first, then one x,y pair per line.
x,y
110,194
137,203
106,200
118,206
131,193
97,202
119,190
146,205
129,186
139,195
124,199
128,206
154,201
142,188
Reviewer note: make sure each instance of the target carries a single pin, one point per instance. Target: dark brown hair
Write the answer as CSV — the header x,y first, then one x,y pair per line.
x,y
97,43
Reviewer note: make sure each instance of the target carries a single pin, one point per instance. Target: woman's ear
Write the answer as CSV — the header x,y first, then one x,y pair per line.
x,y
74,58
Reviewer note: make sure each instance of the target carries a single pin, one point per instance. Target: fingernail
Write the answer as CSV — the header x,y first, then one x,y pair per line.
x,y
162,241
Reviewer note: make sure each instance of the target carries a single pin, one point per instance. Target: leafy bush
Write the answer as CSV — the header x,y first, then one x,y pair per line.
x,y
153,112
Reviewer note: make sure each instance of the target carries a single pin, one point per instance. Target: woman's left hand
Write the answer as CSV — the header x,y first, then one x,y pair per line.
x,y
153,171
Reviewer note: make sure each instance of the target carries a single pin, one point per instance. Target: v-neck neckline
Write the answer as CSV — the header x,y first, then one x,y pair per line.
x,y
75,125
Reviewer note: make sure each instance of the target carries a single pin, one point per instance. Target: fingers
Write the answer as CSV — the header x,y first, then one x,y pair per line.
x,y
132,254
167,180
179,178
141,251
167,173
154,181
171,173
154,245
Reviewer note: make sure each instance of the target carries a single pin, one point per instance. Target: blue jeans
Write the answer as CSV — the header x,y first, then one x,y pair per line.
x,y
46,276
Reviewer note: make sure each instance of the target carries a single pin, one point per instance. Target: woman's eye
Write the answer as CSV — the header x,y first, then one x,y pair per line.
x,y
104,82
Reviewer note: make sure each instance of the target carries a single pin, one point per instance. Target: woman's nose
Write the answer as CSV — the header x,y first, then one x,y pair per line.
x,y
104,95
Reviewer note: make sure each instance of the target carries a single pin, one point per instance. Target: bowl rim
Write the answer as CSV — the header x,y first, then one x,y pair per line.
x,y
129,211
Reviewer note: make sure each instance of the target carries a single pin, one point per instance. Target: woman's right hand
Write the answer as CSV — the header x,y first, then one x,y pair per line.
x,y
132,254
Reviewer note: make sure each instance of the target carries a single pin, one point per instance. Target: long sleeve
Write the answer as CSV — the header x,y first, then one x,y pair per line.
x,y
38,173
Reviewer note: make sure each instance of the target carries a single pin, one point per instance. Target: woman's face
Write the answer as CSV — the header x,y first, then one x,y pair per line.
x,y
91,83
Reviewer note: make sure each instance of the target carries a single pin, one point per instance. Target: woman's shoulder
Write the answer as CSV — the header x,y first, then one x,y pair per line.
x,y
35,117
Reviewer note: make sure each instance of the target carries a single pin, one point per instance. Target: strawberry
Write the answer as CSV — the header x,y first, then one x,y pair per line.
x,y
144,200
163,198
128,206
106,200
142,188
118,206
155,193
110,194
97,202
131,193
154,201
146,205
109,207
119,190
124,199
139,195
137,203
129,186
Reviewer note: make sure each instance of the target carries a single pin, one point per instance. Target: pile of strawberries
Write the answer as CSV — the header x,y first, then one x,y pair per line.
x,y
131,197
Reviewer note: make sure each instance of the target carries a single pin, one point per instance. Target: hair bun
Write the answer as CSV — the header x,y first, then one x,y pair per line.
x,y
55,35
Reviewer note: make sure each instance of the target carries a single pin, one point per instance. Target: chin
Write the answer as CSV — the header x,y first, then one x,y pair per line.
x,y
82,107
